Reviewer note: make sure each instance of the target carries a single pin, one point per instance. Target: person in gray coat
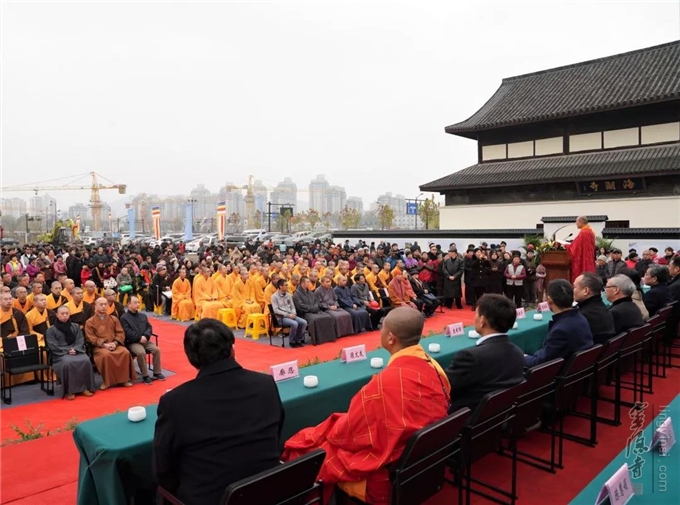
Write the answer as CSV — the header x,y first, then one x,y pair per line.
x,y
453,270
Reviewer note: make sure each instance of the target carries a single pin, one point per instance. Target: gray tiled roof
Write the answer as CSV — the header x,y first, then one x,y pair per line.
x,y
654,160
569,219
614,232
639,77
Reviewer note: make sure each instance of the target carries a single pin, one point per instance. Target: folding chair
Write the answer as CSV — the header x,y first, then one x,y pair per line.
x,y
286,484
605,364
482,435
16,361
149,356
569,387
539,386
276,329
630,356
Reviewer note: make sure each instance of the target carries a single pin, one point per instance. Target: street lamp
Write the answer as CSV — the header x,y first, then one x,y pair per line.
x,y
193,202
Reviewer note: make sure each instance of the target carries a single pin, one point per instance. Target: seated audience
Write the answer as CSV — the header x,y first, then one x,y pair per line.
x,y
568,332
55,298
635,276
206,295
328,301
423,292
615,264
243,294
588,295
353,306
658,295
111,357
218,428
360,290
138,332
12,321
114,307
70,361
361,444
321,327
40,318
624,311
494,362
21,302
285,312
401,293
182,303
80,310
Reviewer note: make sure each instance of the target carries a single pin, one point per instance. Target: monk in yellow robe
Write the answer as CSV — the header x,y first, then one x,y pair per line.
x,y
385,274
243,295
411,392
225,284
293,284
206,295
55,298
13,323
22,302
90,293
80,311
67,292
111,357
36,289
182,303
269,291
40,318
259,283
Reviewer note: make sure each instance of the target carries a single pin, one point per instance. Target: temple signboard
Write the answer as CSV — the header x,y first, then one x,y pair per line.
x,y
618,185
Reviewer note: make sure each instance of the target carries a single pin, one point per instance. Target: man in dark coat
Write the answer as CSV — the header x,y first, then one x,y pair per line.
x,y
568,332
452,268
619,291
494,362
588,295
658,295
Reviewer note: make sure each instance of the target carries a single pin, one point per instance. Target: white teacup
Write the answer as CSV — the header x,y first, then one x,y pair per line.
x,y
538,317
136,414
515,326
473,334
376,362
310,381
434,347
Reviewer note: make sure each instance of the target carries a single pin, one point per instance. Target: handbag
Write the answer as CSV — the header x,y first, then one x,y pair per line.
x,y
126,288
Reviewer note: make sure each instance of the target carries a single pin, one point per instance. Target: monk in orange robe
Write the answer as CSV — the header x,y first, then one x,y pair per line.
x,y
206,295
90,292
13,323
80,310
22,302
36,289
55,298
182,303
225,284
410,393
243,295
582,249
400,290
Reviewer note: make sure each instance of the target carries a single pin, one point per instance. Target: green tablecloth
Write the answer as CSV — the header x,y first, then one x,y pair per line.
x,y
115,454
658,480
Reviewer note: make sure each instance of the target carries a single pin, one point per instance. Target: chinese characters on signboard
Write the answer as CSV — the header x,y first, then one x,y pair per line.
x,y
623,185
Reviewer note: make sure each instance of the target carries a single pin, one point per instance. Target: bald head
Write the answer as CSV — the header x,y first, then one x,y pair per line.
x,y
402,327
100,306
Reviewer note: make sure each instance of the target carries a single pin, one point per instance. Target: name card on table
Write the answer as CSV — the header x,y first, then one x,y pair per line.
x,y
521,314
454,330
354,353
543,307
664,436
284,371
21,343
618,488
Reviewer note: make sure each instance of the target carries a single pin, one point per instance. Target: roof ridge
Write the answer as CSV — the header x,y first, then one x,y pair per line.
x,y
590,62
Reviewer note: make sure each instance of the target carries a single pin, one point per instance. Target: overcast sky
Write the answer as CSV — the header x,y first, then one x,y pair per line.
x,y
164,95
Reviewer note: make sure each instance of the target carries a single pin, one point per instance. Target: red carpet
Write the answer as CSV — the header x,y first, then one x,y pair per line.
x,y
45,471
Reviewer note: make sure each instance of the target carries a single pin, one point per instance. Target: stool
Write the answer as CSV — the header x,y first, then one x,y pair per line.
x,y
227,316
256,325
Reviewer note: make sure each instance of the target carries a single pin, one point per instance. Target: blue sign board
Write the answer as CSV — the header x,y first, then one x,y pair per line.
x,y
411,208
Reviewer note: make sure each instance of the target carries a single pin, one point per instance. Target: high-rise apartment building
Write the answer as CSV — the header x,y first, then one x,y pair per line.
x,y
356,203
285,193
336,199
13,207
396,202
318,193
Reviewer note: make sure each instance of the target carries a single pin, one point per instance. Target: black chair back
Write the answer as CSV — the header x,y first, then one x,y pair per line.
x,y
286,484
483,430
635,338
609,355
539,384
272,316
16,359
578,369
420,471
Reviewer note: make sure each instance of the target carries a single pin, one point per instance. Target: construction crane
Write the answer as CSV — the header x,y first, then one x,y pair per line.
x,y
94,187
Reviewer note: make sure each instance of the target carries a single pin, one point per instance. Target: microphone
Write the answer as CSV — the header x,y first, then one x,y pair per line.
x,y
569,236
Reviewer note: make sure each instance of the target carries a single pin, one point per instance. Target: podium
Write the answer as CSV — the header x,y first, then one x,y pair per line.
x,y
557,265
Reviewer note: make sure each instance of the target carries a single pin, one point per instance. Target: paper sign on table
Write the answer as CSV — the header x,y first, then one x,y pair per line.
x,y
283,371
354,353
21,342
664,436
454,330
521,314
543,307
618,488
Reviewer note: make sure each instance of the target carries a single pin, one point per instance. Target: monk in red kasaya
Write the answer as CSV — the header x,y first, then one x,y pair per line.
x,y
582,249
410,393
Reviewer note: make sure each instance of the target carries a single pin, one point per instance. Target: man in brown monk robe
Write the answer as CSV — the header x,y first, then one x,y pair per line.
x,y
111,357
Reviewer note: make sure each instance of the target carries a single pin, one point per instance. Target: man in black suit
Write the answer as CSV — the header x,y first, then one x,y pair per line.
x,y
494,363
568,332
588,295
658,295
619,291
222,426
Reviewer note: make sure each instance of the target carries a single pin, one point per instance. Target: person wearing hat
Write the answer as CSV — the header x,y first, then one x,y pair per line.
x,y
615,265
601,268
159,290
452,269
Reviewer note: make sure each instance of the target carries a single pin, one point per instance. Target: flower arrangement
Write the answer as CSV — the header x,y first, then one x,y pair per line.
x,y
550,245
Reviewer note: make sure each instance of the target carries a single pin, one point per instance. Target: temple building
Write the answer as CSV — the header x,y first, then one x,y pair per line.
x,y
598,138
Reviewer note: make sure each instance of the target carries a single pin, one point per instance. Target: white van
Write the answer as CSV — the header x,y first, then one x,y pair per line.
x,y
255,234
